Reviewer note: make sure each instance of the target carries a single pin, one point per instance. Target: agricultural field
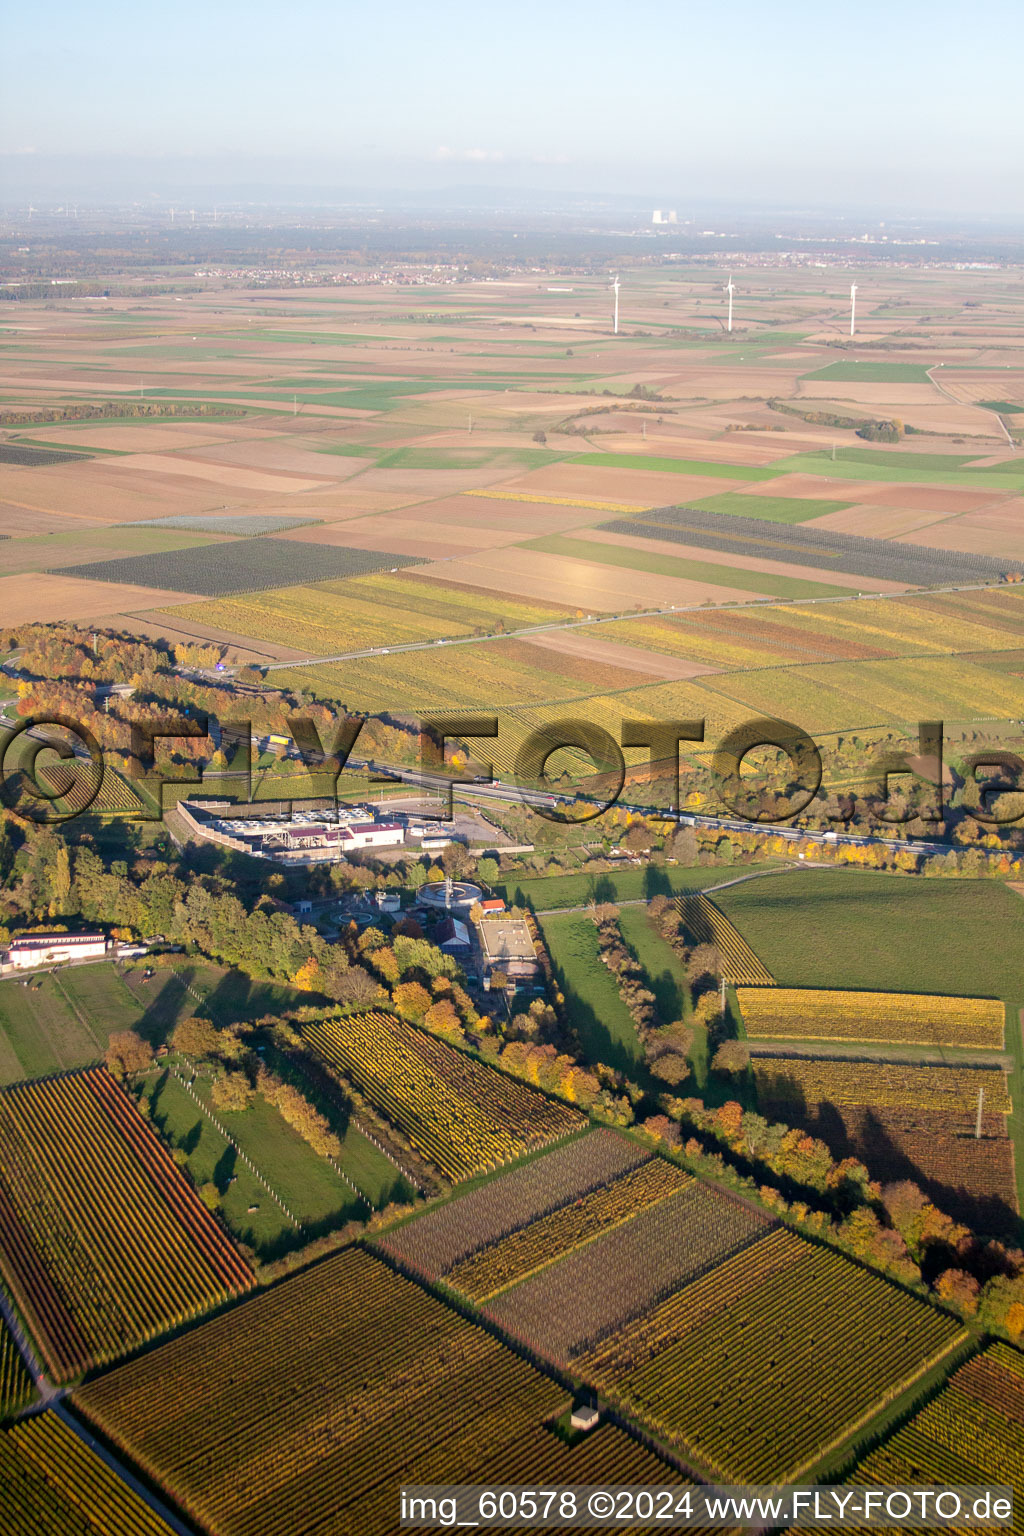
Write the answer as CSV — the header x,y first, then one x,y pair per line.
x,y
771,509
592,1001
803,545
363,612
61,1020
246,525
862,930
437,1242
710,1367
784,1081
286,1193
105,1243
351,1377
53,1482
706,923
241,565
894,1018
16,1389
462,1116
656,563
543,1242
972,1432
561,1313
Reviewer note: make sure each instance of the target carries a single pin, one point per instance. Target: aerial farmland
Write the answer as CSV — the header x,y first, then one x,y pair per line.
x,y
350,1205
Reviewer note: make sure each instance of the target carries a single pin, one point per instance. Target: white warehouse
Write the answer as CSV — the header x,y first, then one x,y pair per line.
x,y
53,948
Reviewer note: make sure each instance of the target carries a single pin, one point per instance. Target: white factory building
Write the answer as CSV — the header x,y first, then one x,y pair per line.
x,y
52,949
297,837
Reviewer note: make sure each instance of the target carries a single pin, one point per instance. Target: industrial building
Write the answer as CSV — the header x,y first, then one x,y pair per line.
x,y
297,837
506,945
52,949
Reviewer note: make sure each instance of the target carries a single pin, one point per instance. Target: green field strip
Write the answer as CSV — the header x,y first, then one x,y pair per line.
x,y
896,461
353,450
772,509
678,466
44,1032
466,458
688,570
592,1002
849,372
1010,480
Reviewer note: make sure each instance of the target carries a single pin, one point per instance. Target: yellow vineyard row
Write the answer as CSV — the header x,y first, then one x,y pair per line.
x,y
791,1013
562,501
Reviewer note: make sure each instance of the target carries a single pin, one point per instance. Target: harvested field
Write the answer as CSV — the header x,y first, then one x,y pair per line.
x,y
24,518
652,664
879,522
415,537
767,576
580,583
243,565
940,500
560,1312
224,475
526,518
141,437
978,533
38,597
435,1243
86,545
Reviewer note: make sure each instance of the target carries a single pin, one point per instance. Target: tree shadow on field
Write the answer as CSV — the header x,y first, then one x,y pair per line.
x,y
656,882
224,1171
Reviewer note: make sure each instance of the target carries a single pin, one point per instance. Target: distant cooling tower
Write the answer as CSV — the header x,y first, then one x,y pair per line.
x,y
658,217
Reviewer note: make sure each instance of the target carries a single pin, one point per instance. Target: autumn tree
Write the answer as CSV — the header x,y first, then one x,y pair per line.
x,y
127,1053
411,1000
231,1093
731,1057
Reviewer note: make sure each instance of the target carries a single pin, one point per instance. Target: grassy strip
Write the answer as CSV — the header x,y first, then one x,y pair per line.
x,y
677,466
772,509
789,587
592,1000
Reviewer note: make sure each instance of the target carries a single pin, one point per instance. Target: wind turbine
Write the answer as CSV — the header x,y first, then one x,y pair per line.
x,y
730,290
853,307
615,287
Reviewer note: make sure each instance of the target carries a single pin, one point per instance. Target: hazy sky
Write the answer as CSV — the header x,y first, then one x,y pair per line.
x,y
912,103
